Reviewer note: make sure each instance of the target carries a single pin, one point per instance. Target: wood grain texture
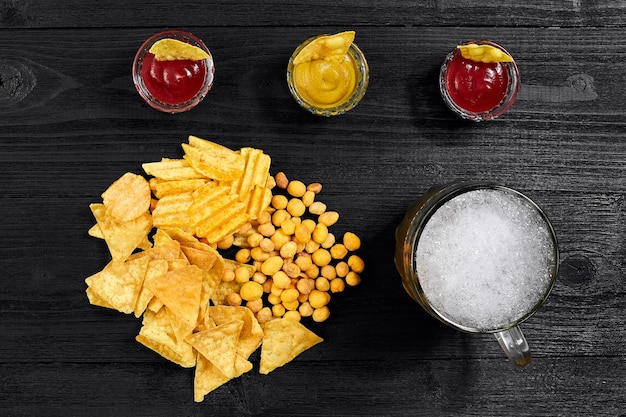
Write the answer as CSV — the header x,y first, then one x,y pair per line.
x,y
80,125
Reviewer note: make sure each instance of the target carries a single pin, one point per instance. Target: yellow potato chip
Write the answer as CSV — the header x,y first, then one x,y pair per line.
x,y
256,171
157,334
119,283
169,49
257,201
122,238
161,187
128,197
226,222
251,334
208,201
219,345
326,47
283,341
172,212
212,160
180,291
171,170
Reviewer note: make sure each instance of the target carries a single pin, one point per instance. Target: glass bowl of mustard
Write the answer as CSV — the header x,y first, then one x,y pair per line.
x,y
328,87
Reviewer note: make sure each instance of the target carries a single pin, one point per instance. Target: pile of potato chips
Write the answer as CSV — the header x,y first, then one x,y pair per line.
x,y
165,268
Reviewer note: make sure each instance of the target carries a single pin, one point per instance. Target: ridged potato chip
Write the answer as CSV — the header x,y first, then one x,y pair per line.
x,y
171,169
214,161
171,212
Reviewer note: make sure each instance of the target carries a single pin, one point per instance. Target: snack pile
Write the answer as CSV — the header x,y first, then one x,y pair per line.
x,y
169,238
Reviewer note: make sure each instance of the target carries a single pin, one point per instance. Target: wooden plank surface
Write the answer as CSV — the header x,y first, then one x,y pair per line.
x,y
82,125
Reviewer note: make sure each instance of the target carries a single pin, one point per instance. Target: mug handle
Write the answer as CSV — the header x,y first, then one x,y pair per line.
x,y
513,343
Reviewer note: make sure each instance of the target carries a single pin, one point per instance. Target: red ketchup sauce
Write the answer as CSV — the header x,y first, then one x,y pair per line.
x,y
475,86
173,82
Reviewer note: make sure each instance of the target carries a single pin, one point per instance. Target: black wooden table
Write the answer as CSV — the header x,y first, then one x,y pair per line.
x,y
71,122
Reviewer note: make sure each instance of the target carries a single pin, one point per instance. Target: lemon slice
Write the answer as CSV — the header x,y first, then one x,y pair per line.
x,y
484,53
173,49
331,47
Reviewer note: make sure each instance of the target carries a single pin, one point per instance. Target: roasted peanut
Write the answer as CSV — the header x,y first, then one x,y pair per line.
x,y
321,257
272,265
281,279
315,187
251,291
296,207
356,263
243,255
292,315
321,314
338,251
281,180
279,202
351,241
353,279
296,188
233,299
337,285
317,208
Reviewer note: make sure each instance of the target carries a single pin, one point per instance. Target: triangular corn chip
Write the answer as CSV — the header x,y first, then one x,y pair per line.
x,y
157,334
169,49
251,334
326,47
283,340
122,238
219,345
119,283
180,291
208,377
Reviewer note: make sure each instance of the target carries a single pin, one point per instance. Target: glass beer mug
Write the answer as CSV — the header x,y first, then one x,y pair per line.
x,y
481,258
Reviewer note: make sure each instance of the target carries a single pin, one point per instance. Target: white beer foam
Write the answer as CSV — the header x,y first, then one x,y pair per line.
x,y
484,259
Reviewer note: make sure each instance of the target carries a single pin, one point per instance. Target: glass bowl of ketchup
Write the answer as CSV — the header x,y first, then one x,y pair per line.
x,y
172,86
478,91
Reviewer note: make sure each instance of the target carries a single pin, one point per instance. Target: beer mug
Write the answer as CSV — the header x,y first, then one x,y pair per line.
x,y
481,258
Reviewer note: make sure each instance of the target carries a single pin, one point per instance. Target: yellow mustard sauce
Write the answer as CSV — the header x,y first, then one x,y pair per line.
x,y
326,83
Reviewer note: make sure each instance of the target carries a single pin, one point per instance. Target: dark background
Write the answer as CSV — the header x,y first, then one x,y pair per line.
x,y
71,123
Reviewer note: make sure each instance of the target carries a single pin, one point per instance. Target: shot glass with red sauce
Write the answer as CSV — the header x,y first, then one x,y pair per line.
x,y
172,86
478,91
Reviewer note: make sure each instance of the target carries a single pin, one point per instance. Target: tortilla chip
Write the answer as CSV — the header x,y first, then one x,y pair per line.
x,y
157,334
219,345
251,334
283,340
122,238
180,291
119,283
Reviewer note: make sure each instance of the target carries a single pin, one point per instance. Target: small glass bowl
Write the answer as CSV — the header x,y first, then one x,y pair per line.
x,y
141,86
502,107
359,89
